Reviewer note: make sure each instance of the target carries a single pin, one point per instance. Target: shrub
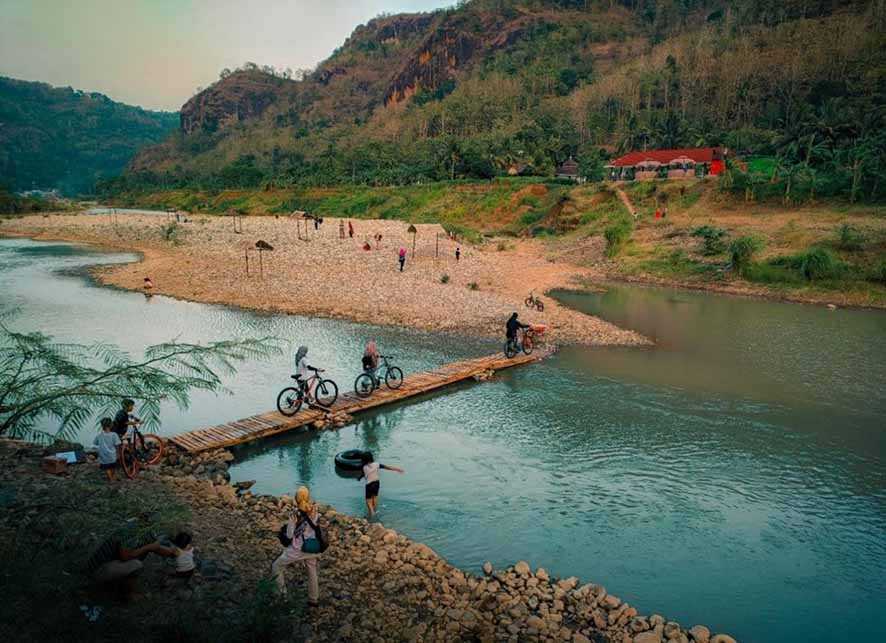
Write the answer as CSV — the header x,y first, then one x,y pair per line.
x,y
849,237
742,250
819,263
879,272
617,236
444,279
713,243
473,286
533,216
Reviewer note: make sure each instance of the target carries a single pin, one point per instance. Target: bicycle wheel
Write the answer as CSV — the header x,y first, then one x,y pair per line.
x,y
128,461
394,377
289,401
510,349
527,344
539,305
149,448
364,385
326,393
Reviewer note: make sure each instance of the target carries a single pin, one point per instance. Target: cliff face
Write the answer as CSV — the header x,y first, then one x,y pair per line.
x,y
243,95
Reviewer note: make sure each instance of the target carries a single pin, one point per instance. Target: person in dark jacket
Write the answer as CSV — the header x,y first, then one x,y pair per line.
x,y
512,326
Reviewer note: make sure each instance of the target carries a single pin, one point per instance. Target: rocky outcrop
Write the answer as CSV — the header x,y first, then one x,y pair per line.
x,y
242,95
454,45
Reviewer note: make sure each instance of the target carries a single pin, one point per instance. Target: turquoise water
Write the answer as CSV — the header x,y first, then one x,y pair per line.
x,y
732,476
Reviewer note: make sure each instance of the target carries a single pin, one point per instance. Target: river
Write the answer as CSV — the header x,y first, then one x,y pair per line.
x,y
733,475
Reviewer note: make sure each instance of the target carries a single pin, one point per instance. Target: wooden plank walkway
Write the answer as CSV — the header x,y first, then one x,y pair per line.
x,y
271,423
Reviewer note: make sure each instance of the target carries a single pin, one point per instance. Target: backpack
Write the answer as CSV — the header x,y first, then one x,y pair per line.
x,y
316,545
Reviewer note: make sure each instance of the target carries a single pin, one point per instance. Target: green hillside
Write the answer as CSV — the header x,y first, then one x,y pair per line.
x,y
64,139
498,86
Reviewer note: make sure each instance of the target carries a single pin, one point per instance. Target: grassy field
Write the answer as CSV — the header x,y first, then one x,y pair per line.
x,y
820,251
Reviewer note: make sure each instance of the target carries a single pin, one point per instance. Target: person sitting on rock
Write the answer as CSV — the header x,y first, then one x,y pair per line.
x,y
118,560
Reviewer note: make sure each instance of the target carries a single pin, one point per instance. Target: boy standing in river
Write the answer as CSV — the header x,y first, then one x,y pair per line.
x,y
373,484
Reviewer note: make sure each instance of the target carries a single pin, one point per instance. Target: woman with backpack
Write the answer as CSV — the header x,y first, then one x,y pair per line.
x,y
303,542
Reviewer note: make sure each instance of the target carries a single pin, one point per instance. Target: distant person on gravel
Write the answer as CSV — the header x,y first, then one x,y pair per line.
x,y
299,528
457,254
350,229
401,257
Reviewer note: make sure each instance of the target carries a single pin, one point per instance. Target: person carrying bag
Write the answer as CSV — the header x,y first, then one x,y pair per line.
x,y
303,541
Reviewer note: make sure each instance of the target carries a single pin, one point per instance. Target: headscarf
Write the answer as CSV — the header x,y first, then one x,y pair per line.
x,y
371,349
300,353
303,501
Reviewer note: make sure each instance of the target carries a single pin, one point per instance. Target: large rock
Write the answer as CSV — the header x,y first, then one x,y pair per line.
x,y
700,634
522,568
722,638
647,637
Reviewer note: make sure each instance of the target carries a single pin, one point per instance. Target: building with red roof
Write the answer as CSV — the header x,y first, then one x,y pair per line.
x,y
668,164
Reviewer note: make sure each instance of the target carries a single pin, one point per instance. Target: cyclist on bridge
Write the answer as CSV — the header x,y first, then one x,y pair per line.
x,y
512,326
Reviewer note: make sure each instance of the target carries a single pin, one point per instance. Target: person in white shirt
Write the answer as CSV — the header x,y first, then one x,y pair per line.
x,y
107,444
370,472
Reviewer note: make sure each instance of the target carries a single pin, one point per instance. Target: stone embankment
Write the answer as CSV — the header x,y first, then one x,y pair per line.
x,y
378,584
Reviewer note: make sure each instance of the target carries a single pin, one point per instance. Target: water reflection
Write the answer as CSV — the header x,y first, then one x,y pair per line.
x,y
732,475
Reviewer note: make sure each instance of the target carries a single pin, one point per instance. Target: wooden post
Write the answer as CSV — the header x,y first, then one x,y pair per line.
x,y
261,267
436,245
246,252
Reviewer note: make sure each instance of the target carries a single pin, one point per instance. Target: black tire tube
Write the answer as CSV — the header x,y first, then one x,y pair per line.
x,y
350,460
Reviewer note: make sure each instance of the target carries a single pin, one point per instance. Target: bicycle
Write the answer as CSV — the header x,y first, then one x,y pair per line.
x,y
534,302
140,450
370,380
524,342
323,393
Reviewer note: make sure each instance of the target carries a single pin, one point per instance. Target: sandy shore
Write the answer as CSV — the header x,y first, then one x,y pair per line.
x,y
205,260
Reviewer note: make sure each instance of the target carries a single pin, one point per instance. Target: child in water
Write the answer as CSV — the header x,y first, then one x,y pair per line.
x,y
370,472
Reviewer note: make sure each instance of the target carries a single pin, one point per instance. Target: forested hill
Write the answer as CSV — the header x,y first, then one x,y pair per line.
x,y
65,139
492,87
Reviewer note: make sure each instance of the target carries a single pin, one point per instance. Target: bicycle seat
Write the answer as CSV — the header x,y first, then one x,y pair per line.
x,y
295,377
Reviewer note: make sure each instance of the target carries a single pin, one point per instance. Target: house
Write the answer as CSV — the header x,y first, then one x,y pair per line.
x,y
569,170
668,164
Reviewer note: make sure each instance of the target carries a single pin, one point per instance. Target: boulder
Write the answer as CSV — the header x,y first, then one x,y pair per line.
x,y
647,637
542,575
722,638
522,568
487,568
611,602
700,634
671,629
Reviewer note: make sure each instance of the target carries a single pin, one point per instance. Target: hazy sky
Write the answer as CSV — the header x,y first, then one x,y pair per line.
x,y
155,53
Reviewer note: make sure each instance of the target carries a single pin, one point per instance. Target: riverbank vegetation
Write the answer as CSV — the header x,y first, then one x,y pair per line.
x,y
70,384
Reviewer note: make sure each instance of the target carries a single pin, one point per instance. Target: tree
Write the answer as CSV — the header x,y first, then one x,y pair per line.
x,y
72,383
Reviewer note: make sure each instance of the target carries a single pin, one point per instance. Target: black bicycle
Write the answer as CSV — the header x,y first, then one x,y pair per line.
x,y
370,379
139,450
315,391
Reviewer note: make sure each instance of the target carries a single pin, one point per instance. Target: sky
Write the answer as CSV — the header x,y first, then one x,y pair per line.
x,y
156,53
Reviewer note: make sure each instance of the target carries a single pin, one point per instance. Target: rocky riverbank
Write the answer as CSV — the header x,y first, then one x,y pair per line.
x,y
375,584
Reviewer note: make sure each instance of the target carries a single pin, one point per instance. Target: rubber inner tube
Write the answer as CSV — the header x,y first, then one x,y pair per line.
x,y
351,459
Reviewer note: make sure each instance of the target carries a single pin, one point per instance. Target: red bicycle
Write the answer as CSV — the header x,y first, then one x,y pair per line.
x,y
140,450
